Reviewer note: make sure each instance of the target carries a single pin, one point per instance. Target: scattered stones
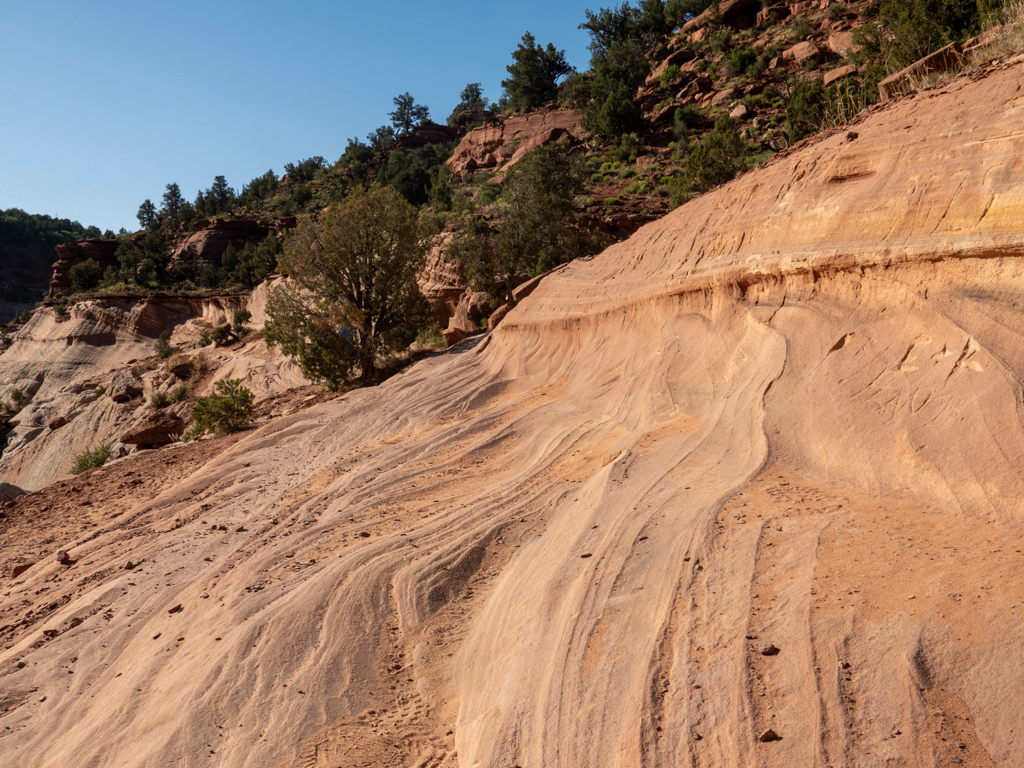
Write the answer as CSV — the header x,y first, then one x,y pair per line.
x,y
124,387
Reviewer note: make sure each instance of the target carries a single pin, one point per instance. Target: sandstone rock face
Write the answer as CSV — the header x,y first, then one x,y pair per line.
x,y
904,80
158,428
211,237
494,145
788,412
71,254
59,365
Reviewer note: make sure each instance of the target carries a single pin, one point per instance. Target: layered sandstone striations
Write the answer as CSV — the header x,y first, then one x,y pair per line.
x,y
743,490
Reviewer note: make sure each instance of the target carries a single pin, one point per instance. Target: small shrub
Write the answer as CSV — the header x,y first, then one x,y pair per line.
x,y
596,178
22,317
163,345
590,201
18,398
805,110
86,275
227,410
159,399
628,149
611,200
740,59
240,318
92,459
430,337
671,73
178,394
720,40
61,310
489,193
205,339
719,157
627,173
220,336
638,188
836,11
800,30
99,391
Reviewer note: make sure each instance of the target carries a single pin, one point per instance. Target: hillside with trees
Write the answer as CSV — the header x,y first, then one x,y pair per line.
x,y
26,256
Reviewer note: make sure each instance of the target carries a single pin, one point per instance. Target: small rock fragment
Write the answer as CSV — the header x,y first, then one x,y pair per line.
x,y
176,609
768,735
767,649
129,565
62,556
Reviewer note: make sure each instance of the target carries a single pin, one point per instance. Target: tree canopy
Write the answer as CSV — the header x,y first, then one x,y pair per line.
x,y
534,74
353,295
408,114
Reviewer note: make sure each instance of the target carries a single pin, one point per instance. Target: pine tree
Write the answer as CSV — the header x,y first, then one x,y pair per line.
x,y
147,214
408,113
172,201
534,74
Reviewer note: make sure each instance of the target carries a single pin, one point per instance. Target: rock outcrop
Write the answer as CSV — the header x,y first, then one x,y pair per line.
x,y
428,133
501,143
784,418
156,429
72,254
211,237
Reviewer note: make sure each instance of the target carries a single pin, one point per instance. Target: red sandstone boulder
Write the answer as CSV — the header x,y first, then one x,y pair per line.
x,y
70,254
903,81
159,428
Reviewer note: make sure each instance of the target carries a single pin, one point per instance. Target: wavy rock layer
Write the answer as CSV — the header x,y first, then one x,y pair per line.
x,y
757,469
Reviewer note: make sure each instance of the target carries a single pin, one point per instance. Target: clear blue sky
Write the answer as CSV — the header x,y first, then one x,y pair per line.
x,y
106,102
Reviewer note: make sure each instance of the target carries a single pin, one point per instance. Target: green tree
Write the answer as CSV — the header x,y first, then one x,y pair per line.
x,y
408,114
382,138
805,109
472,97
538,204
613,114
228,409
86,275
919,27
147,214
534,74
353,294
720,155
172,201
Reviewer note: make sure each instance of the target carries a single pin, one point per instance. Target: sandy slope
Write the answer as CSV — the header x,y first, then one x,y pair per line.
x,y
788,414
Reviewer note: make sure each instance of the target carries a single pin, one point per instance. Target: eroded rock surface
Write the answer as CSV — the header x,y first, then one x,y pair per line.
x,y
787,414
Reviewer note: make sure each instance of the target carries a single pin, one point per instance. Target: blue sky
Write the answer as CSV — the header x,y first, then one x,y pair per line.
x,y
104,103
